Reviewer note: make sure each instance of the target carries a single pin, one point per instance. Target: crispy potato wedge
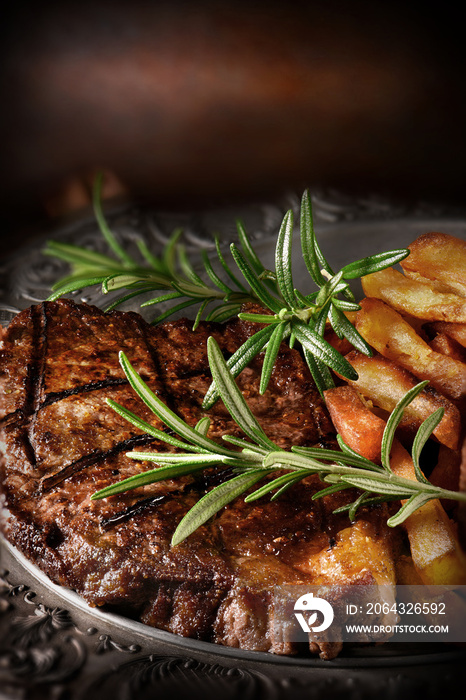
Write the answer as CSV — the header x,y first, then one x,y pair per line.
x,y
361,429
435,550
434,545
446,473
461,511
384,383
456,331
341,344
410,296
406,572
440,258
407,575
448,346
393,337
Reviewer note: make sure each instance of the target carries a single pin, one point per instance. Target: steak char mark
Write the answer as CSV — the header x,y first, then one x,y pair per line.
x,y
61,442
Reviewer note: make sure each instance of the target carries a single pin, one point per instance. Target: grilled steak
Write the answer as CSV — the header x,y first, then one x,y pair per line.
x,y
61,442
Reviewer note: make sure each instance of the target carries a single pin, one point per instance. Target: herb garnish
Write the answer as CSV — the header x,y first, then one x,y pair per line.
x,y
259,458
293,316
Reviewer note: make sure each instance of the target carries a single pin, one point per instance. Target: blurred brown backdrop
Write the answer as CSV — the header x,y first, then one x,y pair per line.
x,y
194,103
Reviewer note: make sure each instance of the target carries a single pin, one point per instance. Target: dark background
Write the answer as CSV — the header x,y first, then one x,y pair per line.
x,y
199,103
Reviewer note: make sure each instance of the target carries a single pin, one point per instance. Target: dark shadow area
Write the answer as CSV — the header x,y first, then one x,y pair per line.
x,y
190,104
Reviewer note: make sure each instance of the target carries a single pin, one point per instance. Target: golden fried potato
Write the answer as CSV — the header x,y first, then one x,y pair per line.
x,y
446,473
448,346
361,429
393,337
463,466
407,575
456,331
461,511
410,296
343,345
435,549
440,258
406,572
384,383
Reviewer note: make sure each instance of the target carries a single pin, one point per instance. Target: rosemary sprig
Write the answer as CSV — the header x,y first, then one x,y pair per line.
x,y
259,458
289,314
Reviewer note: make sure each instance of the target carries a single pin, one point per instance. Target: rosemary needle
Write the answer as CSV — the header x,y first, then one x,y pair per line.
x,y
287,314
292,315
259,457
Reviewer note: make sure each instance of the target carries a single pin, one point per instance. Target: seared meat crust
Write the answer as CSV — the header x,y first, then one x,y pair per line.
x,y
61,442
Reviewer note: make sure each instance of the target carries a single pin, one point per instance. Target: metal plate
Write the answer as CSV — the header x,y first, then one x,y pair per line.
x,y
52,644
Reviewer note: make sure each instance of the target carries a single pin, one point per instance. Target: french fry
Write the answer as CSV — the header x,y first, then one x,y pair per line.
x,y
434,545
440,258
407,575
406,572
463,466
456,331
448,346
393,337
410,296
461,513
343,345
435,549
361,429
384,383
446,473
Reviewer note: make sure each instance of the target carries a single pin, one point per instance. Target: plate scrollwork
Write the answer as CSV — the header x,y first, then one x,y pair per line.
x,y
42,645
